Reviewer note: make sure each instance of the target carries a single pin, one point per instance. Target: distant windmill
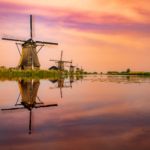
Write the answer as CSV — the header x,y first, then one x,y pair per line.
x,y
71,67
61,62
28,89
82,69
29,58
60,85
77,69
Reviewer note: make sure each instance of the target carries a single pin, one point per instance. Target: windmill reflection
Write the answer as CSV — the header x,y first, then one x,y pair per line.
x,y
28,92
78,77
60,83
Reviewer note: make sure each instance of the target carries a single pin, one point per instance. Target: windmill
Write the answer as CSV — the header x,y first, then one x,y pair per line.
x,y
82,69
61,62
71,67
77,69
60,85
28,59
28,89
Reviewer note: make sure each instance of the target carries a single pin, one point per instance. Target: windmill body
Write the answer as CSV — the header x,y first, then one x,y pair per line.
x,y
82,69
72,68
28,90
61,66
77,69
25,62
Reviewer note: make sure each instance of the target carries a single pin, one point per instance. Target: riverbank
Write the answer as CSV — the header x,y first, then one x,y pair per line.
x,y
132,73
37,74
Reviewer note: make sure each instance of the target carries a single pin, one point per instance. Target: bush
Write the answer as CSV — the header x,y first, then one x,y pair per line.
x,y
3,67
128,70
95,73
112,72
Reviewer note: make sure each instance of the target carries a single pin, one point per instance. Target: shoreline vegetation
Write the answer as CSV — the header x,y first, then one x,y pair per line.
x,y
37,74
55,74
128,72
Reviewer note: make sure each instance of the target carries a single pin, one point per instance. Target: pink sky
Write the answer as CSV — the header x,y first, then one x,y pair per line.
x,y
98,35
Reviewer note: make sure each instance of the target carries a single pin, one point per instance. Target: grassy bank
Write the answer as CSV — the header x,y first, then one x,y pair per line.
x,y
37,74
135,73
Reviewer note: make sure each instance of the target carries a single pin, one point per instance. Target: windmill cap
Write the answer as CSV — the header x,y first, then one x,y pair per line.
x,y
28,42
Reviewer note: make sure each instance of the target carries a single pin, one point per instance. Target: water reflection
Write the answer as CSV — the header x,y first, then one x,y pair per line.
x,y
28,91
79,77
101,112
60,83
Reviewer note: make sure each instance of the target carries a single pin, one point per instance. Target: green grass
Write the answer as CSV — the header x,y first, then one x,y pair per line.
x,y
37,74
140,73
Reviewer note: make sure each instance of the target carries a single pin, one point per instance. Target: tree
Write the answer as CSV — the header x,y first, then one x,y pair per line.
x,y
128,70
3,67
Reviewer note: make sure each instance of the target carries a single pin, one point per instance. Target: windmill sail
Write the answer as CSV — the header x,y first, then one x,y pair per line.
x,y
12,38
32,26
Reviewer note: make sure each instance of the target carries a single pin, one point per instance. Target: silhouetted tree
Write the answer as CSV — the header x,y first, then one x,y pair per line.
x,y
128,70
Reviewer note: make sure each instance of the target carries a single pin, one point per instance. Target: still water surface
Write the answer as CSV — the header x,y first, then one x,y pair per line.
x,y
76,113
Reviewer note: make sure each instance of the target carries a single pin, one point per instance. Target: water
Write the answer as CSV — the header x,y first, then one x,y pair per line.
x,y
77,113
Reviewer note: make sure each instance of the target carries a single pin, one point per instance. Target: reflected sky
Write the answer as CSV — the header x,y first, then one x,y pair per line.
x,y
95,112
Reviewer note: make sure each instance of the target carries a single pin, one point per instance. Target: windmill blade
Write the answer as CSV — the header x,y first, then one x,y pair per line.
x,y
46,43
12,38
32,26
12,110
46,105
54,60
66,86
50,46
61,56
52,88
66,61
61,93
31,122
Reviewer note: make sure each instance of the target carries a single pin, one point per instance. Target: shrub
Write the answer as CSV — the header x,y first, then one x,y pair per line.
x,y
128,70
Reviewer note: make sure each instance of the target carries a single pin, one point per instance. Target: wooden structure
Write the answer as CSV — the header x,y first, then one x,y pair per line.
x,y
72,68
25,62
28,89
61,62
77,69
53,68
82,69
29,59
